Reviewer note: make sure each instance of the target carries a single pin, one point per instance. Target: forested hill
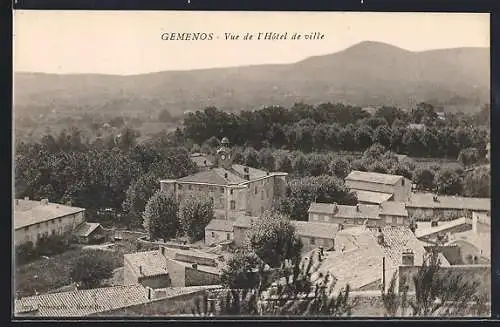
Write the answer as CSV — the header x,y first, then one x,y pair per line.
x,y
366,74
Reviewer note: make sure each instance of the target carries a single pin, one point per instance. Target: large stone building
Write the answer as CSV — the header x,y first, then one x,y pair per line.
x,y
34,219
376,188
234,189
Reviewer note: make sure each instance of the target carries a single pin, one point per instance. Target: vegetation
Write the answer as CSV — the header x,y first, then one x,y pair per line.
x,y
273,239
47,245
91,269
195,212
161,216
436,293
240,271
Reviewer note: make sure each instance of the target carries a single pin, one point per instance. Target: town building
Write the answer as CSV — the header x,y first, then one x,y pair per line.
x,y
146,268
219,230
376,188
89,233
234,189
367,258
428,206
202,161
34,219
388,213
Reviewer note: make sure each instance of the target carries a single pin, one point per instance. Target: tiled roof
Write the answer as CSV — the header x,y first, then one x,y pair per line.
x,y
27,212
361,211
426,200
253,172
371,177
327,208
393,208
152,263
312,229
82,302
424,228
244,221
85,229
372,197
220,225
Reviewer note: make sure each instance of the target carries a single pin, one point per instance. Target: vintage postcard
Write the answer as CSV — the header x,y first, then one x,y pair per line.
x,y
251,164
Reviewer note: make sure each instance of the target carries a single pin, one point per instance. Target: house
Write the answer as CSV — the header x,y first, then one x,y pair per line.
x,y
345,215
428,206
314,235
219,230
234,189
426,232
34,219
394,213
367,258
392,187
240,229
89,233
202,161
97,301
145,268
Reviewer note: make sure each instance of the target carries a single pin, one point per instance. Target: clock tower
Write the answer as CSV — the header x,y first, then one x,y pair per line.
x,y
224,154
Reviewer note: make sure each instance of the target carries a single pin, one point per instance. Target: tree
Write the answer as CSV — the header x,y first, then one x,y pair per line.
x,y
273,239
383,135
449,183
424,178
241,271
438,292
468,157
91,268
160,216
477,183
137,196
266,159
284,163
364,137
195,212
340,168
300,164
251,157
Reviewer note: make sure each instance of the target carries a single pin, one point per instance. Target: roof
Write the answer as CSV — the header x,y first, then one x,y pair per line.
x,y
85,229
220,225
201,160
393,208
424,228
216,176
313,229
372,197
28,212
244,221
173,253
360,211
426,200
328,208
371,177
82,302
253,172
152,263
200,267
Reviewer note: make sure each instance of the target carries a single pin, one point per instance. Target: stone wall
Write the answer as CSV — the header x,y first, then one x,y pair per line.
x,y
195,277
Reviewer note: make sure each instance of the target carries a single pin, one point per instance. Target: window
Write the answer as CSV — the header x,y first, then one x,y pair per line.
x,y
222,189
233,205
162,250
26,228
388,220
403,182
213,234
256,190
262,195
190,187
231,192
228,236
313,241
53,232
212,200
53,221
180,187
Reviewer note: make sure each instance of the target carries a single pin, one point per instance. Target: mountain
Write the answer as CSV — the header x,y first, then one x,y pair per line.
x,y
366,74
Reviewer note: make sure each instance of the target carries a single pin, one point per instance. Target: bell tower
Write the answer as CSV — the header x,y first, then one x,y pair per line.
x,y
224,154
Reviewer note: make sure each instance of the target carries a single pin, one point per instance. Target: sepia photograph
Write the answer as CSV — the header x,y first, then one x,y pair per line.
x,y
251,165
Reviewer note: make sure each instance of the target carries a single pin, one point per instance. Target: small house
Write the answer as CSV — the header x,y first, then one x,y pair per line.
x,y
89,233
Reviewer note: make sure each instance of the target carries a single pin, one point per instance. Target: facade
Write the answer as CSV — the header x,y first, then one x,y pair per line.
x,y
34,219
316,235
386,214
380,184
219,230
427,206
234,189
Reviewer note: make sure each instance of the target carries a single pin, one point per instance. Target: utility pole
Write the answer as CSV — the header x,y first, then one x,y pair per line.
x,y
383,273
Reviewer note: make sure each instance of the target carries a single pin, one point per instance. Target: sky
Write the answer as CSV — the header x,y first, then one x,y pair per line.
x,y
130,42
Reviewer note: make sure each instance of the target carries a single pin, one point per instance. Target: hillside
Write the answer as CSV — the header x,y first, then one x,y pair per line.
x,y
368,73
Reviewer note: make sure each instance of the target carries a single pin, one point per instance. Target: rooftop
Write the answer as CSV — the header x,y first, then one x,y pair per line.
x,y
312,229
201,160
425,229
360,211
426,200
393,208
220,225
152,263
371,177
28,212
372,197
85,229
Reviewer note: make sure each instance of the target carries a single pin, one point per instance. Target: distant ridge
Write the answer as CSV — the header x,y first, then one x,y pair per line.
x,y
366,74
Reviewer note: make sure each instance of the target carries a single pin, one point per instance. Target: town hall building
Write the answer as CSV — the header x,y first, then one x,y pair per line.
x,y
234,189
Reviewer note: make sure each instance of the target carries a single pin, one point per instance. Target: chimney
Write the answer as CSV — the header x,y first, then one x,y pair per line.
x,y
225,175
140,270
380,237
195,266
408,258
357,207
